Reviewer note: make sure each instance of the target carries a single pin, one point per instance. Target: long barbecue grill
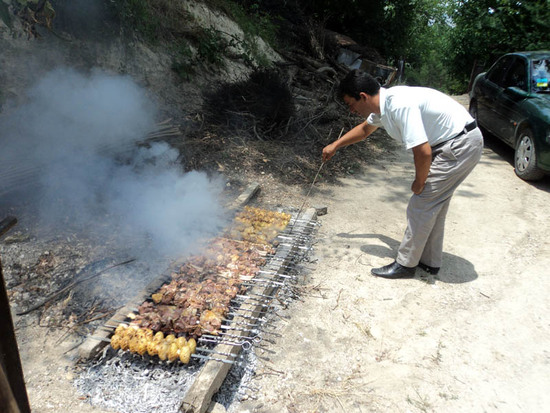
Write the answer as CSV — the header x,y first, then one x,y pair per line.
x,y
206,316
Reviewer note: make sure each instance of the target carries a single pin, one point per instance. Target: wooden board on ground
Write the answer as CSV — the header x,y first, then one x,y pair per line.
x,y
245,197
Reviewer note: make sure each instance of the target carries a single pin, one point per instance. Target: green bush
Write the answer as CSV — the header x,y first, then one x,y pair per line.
x,y
211,47
138,15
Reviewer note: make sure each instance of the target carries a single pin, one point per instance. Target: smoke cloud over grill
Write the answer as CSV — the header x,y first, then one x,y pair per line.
x,y
77,134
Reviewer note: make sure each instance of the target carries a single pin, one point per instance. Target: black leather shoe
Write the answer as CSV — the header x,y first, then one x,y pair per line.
x,y
428,269
393,271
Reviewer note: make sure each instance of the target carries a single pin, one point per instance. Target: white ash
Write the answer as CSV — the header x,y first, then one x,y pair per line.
x,y
128,383
236,386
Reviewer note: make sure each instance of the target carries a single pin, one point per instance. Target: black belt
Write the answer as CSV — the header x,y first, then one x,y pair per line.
x,y
468,128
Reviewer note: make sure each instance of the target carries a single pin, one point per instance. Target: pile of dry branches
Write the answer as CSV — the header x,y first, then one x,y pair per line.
x,y
277,121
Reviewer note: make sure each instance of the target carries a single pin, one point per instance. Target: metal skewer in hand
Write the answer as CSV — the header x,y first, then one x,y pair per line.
x,y
310,188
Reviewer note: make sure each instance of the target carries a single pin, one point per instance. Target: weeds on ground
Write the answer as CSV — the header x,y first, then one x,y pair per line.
x,y
140,16
250,17
323,398
364,329
437,358
211,47
421,402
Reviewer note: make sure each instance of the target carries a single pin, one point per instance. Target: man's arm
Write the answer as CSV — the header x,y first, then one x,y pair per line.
x,y
422,163
357,134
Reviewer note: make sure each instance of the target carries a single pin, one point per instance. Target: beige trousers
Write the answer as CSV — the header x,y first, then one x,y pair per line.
x,y
452,162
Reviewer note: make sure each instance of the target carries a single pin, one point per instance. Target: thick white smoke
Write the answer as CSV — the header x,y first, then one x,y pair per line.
x,y
68,133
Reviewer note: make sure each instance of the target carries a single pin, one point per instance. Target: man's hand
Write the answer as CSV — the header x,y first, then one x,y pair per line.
x,y
357,134
329,151
417,187
422,162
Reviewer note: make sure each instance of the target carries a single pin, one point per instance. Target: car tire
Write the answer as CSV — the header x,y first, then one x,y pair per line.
x,y
525,158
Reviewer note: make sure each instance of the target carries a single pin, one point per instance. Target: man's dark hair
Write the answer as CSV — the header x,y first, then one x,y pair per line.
x,y
356,82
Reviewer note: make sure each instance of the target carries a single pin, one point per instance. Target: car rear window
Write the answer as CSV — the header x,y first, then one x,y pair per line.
x,y
541,75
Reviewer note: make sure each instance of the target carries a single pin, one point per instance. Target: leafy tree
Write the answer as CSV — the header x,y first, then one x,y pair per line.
x,y
412,30
363,20
485,29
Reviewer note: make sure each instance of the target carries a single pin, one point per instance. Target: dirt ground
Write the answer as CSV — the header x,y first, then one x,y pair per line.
x,y
475,338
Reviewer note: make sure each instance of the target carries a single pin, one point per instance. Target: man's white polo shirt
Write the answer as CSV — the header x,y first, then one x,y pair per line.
x,y
415,115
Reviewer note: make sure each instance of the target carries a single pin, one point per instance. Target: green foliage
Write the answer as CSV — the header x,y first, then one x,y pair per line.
x,y
363,20
183,64
440,40
138,15
5,14
432,72
413,30
485,29
26,2
255,22
211,46
428,51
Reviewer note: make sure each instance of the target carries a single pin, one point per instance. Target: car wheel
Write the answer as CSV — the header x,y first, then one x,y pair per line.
x,y
525,159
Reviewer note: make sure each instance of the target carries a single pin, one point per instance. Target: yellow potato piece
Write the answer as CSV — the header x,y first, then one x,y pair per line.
x,y
185,354
152,348
192,344
124,343
163,351
173,351
120,329
133,344
142,347
115,341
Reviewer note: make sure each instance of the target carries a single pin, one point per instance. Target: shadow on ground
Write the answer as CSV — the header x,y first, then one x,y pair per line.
x,y
455,270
